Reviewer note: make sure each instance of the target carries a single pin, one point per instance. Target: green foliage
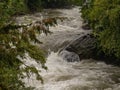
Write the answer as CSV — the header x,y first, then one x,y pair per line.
x,y
103,17
15,41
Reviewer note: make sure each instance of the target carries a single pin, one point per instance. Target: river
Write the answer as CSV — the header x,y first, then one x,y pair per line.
x,y
62,75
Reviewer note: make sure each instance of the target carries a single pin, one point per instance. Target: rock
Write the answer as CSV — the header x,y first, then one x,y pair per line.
x,y
84,46
86,27
69,56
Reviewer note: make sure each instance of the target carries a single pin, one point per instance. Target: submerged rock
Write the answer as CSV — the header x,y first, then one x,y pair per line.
x,y
84,46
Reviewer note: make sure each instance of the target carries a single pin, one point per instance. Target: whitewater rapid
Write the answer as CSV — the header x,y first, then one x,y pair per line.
x,y
62,75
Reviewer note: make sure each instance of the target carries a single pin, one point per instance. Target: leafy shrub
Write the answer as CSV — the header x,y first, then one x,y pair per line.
x,y
103,17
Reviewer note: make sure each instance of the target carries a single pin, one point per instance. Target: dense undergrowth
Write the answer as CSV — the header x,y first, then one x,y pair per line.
x,y
103,17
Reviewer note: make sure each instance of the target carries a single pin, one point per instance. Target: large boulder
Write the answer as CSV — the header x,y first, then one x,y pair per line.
x,y
84,46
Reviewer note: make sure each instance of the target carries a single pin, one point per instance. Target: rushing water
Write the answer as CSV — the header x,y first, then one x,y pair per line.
x,y
62,75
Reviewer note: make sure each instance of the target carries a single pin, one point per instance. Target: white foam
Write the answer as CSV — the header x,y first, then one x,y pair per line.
x,y
63,75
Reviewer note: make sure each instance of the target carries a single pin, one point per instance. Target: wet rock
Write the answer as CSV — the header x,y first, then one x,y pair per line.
x,y
69,56
84,46
86,27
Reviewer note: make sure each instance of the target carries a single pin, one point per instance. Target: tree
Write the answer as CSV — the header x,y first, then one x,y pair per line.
x,y
15,41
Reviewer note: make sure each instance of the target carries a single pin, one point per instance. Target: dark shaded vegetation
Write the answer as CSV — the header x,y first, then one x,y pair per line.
x,y
36,5
55,3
